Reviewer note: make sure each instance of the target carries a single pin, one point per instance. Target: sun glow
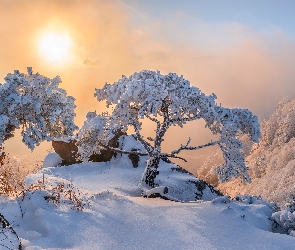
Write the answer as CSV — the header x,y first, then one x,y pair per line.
x,y
55,47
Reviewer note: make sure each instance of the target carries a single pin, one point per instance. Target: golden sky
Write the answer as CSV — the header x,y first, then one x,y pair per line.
x,y
244,63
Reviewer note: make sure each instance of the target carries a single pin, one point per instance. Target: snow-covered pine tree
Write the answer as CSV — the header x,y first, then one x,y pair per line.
x,y
37,105
166,100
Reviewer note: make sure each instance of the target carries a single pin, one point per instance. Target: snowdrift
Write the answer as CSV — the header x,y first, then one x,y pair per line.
x,y
115,216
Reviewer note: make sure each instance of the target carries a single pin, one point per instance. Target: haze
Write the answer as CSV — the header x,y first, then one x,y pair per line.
x,y
243,51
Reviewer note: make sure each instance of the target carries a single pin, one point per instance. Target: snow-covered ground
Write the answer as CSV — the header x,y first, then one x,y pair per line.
x,y
115,216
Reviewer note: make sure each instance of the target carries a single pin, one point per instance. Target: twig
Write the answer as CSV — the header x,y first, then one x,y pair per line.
x,y
173,156
124,151
186,147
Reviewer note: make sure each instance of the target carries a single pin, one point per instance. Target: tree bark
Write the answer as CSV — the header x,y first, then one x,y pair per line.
x,y
151,171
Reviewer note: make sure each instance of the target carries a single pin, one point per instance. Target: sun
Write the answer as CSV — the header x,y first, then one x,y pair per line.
x,y
55,47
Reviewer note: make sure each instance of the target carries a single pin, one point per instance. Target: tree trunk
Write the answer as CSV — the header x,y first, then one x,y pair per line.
x,y
151,171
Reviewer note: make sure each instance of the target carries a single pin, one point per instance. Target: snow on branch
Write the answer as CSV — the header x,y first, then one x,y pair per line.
x,y
187,147
124,151
170,100
36,104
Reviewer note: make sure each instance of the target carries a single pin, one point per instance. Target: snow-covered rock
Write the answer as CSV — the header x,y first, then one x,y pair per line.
x,y
181,185
52,160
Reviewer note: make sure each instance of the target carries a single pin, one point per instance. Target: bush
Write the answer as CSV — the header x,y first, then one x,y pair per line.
x,y
286,218
57,192
13,171
8,237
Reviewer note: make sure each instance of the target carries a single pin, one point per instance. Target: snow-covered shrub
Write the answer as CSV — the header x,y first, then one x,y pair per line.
x,y
8,237
246,199
167,100
13,171
222,199
250,199
57,192
286,218
37,105
92,129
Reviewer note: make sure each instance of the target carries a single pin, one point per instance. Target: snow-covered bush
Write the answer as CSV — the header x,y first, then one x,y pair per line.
x,y
8,237
56,191
166,100
280,127
286,218
37,105
247,200
13,171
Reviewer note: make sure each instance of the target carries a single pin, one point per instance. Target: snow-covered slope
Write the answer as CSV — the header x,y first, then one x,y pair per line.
x,y
115,216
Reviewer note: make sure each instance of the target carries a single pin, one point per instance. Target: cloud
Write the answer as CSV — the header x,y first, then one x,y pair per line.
x,y
99,52
91,62
243,67
113,38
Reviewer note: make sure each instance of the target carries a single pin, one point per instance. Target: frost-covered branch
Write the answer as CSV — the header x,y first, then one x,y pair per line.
x,y
124,151
186,147
170,100
37,105
172,156
183,120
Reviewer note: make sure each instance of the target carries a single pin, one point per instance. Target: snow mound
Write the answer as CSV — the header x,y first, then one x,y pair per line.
x,y
182,186
52,160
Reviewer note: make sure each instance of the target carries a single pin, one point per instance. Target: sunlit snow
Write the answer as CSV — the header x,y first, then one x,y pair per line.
x,y
117,217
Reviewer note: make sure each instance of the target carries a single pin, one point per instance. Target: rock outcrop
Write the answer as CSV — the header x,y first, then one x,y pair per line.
x,y
68,150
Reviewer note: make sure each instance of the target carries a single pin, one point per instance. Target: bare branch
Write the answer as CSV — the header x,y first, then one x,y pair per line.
x,y
123,151
188,142
186,147
173,156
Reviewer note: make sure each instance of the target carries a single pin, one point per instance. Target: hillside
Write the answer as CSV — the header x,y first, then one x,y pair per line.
x,y
115,216
271,162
